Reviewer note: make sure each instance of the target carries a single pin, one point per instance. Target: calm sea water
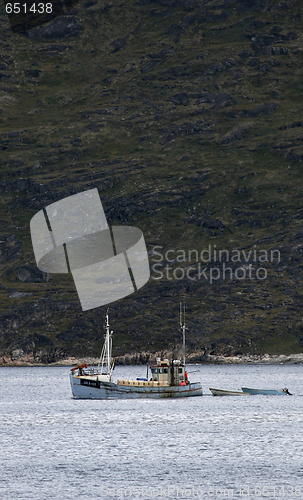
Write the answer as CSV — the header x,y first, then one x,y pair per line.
x,y
55,447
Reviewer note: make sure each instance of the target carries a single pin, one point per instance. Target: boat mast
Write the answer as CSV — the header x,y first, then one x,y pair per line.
x,y
182,324
106,354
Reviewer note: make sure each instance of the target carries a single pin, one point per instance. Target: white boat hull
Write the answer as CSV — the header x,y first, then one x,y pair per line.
x,y
82,388
221,392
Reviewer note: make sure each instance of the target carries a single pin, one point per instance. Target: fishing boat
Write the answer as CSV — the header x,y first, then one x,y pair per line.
x,y
221,392
267,392
169,378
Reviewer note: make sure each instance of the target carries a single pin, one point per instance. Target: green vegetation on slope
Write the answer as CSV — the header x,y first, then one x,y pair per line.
x,y
187,117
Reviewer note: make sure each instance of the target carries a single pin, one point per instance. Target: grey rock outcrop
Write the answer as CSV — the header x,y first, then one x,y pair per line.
x,y
32,274
62,27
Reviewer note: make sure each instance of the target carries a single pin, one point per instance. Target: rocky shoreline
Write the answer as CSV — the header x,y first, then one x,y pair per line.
x,y
147,357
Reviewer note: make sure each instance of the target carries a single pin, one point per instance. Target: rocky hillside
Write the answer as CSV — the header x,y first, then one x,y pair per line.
x,y
187,117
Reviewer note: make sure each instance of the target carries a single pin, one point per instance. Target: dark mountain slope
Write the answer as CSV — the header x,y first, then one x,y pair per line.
x,y
187,117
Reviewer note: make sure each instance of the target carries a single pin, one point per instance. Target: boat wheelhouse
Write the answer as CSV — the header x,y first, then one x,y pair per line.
x,y
173,372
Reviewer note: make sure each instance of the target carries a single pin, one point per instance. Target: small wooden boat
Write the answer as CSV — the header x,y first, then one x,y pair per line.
x,y
267,392
220,392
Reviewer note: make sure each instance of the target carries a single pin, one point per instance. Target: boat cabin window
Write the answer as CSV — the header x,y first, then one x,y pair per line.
x,y
180,370
159,370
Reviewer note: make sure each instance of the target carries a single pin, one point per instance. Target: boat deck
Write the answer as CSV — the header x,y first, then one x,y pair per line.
x,y
142,383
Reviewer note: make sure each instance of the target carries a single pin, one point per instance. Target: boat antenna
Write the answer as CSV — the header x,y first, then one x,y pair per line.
x,y
182,323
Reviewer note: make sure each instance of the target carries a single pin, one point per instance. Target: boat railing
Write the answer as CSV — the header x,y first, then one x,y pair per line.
x,y
91,371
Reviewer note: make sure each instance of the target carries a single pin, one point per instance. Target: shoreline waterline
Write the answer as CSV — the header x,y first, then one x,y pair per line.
x,y
143,358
